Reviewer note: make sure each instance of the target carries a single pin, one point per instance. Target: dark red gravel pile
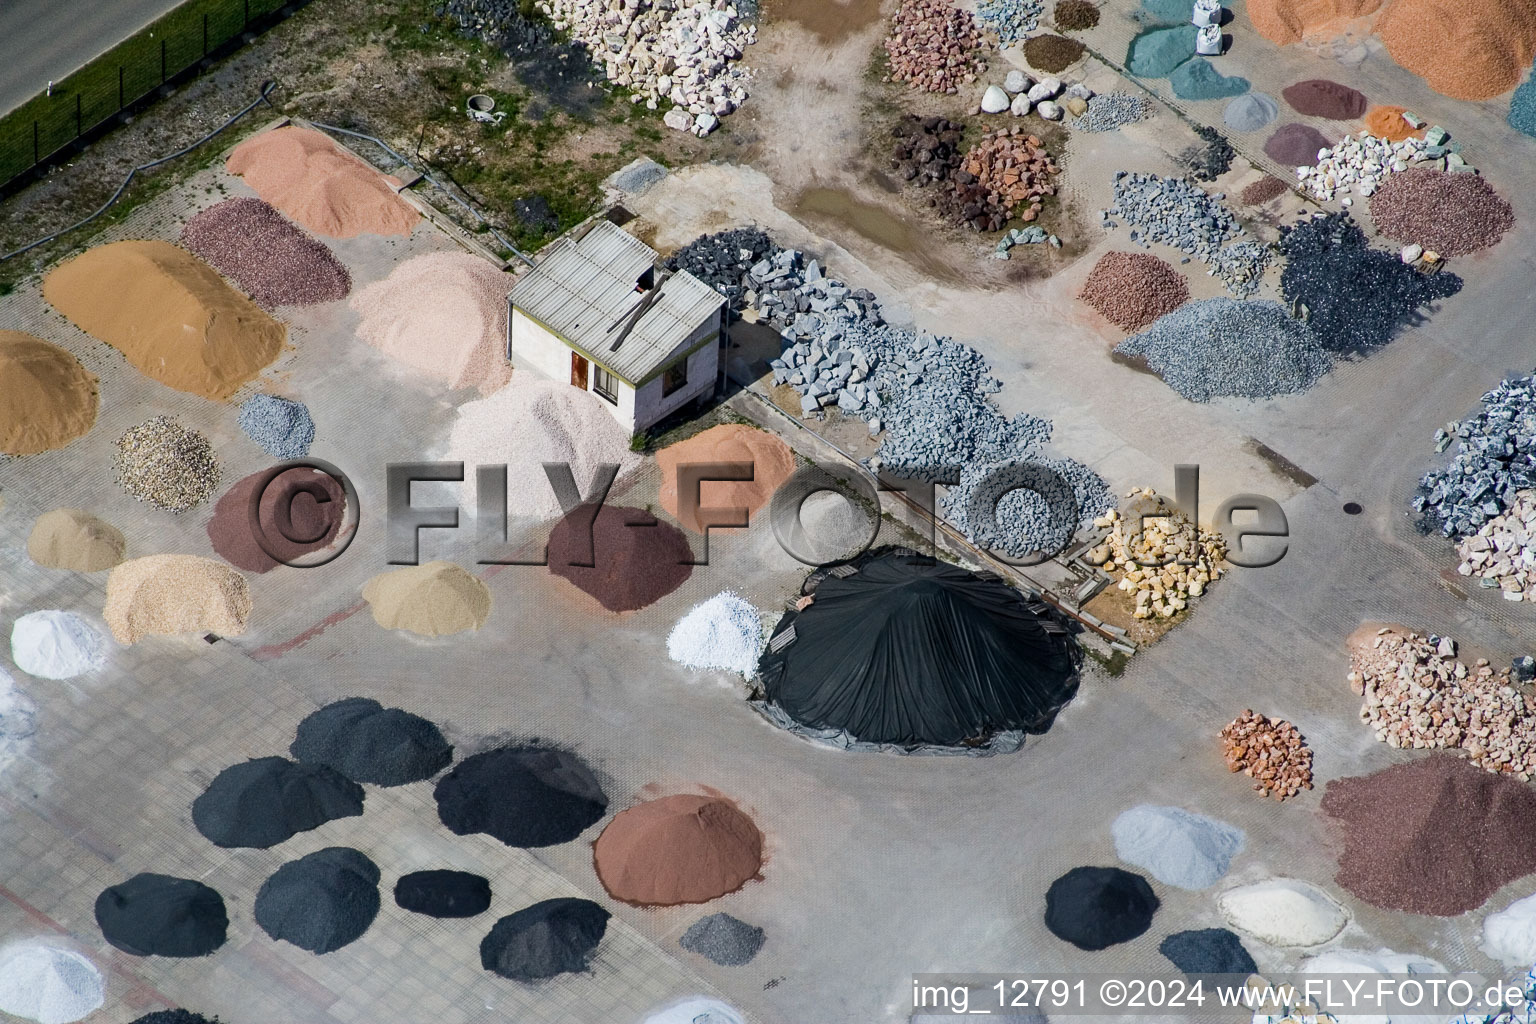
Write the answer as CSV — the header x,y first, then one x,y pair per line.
x,y
1319,97
293,521
250,243
1262,191
1052,53
633,558
1075,15
1132,289
1434,836
1452,214
1296,145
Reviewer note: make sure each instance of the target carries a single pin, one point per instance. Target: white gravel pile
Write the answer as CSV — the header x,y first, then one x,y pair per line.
x,y
1178,848
529,422
724,632
696,1010
1383,962
1283,912
48,984
56,645
1510,935
1359,163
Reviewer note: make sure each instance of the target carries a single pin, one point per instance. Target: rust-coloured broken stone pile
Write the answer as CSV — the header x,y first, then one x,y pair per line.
x,y
933,46
1269,751
1007,170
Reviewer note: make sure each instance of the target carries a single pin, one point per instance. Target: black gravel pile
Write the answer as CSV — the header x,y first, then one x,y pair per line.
x,y
368,742
443,893
1211,161
320,902
1095,908
546,63
158,915
722,260
524,796
723,939
269,799
927,150
550,938
175,1017
1495,458
1208,951
1355,298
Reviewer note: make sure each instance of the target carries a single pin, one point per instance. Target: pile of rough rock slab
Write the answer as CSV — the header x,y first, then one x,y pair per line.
x,y
1502,554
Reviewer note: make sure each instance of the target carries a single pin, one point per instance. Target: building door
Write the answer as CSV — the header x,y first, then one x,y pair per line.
x,y
578,371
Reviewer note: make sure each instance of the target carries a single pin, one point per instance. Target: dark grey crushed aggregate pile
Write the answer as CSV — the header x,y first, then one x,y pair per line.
x,y
269,799
561,71
1095,908
723,939
1356,298
1208,951
175,1017
158,915
1212,160
550,938
524,796
1495,457
722,260
320,902
368,742
443,893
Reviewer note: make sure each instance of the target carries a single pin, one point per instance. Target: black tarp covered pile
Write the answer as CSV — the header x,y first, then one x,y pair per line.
x,y
908,653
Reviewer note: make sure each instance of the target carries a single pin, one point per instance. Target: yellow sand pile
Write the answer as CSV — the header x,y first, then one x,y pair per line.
x,y
322,186
47,399
434,599
1291,21
169,313
72,538
169,594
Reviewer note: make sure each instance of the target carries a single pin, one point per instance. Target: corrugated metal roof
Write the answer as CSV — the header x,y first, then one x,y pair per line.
x,y
584,291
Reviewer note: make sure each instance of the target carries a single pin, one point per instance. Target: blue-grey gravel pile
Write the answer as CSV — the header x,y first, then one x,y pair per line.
x,y
1495,457
1224,348
1012,20
723,939
1113,110
282,427
1025,507
1178,213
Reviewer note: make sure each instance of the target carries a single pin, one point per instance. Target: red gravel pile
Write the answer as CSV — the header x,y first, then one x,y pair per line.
x,y
1262,191
250,243
633,558
1296,145
1270,751
1452,214
933,46
1051,54
1433,836
1008,168
1132,289
1319,97
294,521
1075,15
927,149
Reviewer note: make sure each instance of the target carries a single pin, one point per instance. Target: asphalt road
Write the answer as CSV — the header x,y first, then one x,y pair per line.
x,y
47,39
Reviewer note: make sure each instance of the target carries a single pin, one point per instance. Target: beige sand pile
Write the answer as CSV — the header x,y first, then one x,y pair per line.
x,y
72,538
772,460
443,314
1291,21
169,313
1465,49
47,399
320,185
163,595
434,599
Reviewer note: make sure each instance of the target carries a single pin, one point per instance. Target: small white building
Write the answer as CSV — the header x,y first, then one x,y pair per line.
x,y
597,311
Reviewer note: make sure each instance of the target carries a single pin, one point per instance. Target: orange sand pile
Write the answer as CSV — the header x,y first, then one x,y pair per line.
x,y
169,594
169,313
1465,49
772,460
679,849
320,185
1387,123
1291,21
47,399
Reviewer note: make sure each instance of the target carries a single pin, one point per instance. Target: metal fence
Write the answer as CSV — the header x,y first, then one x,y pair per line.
x,y
90,100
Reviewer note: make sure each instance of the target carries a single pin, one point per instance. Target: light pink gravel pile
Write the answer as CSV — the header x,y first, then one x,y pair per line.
x,y
443,314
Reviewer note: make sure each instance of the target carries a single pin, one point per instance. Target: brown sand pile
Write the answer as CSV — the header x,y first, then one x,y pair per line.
x,y
47,399
679,849
72,538
1386,122
302,511
433,599
320,185
1433,836
169,313
1290,21
772,463
1465,49
169,594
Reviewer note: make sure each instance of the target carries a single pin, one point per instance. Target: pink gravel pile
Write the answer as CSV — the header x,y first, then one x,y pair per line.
x,y
444,315
933,46
250,243
1133,289
1263,190
1452,214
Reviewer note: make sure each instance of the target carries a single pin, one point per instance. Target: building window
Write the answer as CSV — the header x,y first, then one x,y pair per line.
x,y
604,384
674,377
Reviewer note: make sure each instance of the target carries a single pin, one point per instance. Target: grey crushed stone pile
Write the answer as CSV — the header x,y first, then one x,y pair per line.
x,y
1012,20
1224,348
166,464
1112,110
283,428
723,939
1495,457
1178,213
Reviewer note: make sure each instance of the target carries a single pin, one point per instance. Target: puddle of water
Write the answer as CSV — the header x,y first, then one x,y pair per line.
x,y
831,21
871,222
